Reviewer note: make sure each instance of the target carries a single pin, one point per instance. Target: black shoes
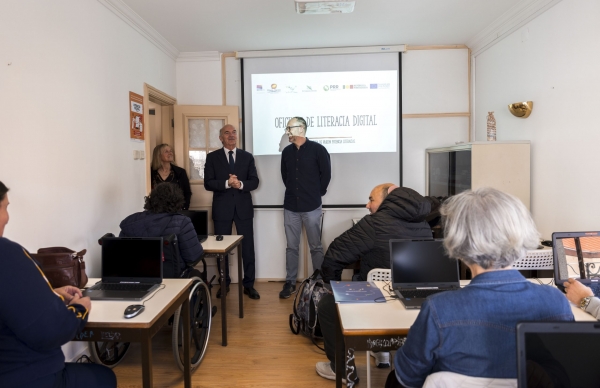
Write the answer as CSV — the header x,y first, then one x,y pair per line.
x,y
288,289
251,292
219,292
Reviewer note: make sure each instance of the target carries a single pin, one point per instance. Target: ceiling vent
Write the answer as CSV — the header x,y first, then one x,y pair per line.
x,y
314,7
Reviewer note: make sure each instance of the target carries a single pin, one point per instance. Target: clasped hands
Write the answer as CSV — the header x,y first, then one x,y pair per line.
x,y
73,295
234,182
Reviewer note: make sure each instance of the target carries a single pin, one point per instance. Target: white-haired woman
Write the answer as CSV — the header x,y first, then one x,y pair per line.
x,y
472,331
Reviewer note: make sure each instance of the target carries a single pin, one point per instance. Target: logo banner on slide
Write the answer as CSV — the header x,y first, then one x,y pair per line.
x,y
347,112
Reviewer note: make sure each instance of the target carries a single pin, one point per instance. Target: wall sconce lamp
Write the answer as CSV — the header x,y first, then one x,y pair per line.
x,y
521,109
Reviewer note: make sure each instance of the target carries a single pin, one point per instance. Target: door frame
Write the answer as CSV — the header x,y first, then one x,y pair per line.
x,y
152,94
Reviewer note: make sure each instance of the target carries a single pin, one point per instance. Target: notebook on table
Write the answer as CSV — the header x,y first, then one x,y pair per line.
x,y
421,268
356,292
131,268
577,255
558,354
200,221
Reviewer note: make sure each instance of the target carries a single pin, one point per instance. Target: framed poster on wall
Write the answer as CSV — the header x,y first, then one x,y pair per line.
x,y
136,116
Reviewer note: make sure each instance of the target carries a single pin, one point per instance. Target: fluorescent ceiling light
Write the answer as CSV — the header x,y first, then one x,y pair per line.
x,y
313,7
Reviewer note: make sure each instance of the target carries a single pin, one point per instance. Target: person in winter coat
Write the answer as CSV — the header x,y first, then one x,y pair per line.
x,y
160,219
396,213
399,214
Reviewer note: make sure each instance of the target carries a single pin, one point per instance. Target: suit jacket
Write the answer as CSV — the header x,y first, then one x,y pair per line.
x,y
227,201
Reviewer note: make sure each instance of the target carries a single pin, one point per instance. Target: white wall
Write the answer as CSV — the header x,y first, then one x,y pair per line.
x,y
66,69
433,81
199,82
552,61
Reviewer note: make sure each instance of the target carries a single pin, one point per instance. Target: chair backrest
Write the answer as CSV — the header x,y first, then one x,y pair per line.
x,y
452,380
536,259
379,274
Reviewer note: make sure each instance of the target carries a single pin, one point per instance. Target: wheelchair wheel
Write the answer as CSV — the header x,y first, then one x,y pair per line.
x,y
200,320
109,353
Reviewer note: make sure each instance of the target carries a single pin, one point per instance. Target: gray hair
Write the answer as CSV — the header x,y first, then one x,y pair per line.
x,y
487,227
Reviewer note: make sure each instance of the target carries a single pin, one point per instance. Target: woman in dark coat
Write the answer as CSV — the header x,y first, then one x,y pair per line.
x,y
36,320
163,169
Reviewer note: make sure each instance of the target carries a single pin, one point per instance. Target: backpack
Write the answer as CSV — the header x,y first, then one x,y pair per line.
x,y
304,318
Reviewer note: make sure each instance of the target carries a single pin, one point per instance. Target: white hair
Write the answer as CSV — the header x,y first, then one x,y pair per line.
x,y
487,227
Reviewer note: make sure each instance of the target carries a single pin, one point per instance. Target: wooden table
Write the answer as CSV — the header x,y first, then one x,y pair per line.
x,y
384,326
106,323
221,249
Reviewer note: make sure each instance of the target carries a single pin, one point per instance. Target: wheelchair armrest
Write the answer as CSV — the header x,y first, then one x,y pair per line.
x,y
106,235
195,262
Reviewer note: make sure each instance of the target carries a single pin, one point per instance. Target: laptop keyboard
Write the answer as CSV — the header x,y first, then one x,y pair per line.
x,y
121,287
421,293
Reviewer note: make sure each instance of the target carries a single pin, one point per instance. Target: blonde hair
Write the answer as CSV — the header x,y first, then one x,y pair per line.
x,y
487,227
156,162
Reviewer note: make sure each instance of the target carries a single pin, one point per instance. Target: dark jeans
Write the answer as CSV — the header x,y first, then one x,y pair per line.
x,y
392,381
75,375
246,229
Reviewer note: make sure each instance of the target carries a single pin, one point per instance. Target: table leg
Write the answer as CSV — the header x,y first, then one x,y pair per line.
x,y
147,361
221,259
339,353
350,368
187,370
240,285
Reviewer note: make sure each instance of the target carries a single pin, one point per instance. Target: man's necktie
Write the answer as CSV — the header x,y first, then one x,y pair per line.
x,y
231,162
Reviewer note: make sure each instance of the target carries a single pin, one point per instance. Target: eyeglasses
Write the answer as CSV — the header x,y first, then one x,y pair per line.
x,y
295,126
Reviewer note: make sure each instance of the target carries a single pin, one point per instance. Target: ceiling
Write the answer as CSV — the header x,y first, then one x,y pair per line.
x,y
241,25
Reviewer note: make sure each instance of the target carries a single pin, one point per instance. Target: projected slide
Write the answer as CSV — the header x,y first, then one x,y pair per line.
x,y
347,112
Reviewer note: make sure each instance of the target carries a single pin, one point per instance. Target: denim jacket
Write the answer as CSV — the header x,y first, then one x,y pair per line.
x,y
472,331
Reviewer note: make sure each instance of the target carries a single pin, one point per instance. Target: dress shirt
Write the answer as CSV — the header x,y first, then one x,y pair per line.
x,y
227,156
306,172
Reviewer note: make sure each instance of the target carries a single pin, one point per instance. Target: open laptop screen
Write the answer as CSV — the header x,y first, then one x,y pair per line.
x,y
558,354
132,258
421,262
577,255
199,220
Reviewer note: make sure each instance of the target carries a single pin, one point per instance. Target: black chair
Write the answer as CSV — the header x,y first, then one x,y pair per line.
x,y
111,353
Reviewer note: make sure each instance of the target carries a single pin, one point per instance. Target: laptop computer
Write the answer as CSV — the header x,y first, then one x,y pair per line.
x,y
577,255
131,268
200,221
421,268
558,354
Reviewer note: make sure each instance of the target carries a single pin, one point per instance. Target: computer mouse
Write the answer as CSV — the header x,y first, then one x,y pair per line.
x,y
219,238
133,310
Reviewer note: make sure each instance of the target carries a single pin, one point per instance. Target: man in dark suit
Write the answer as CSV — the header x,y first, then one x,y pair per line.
x,y
230,173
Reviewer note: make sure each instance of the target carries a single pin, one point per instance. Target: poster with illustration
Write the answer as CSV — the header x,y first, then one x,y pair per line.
x,y
136,116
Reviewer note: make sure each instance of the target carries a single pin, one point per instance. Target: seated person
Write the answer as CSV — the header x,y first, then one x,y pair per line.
x,y
471,331
396,213
160,219
36,320
583,297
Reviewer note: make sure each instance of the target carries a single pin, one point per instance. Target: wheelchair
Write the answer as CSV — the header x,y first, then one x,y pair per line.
x,y
111,353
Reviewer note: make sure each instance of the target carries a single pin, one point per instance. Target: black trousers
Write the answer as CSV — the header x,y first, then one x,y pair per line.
x,y
75,375
327,318
246,229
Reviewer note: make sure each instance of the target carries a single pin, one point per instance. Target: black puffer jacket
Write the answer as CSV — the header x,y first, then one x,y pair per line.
x,y
401,215
146,224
